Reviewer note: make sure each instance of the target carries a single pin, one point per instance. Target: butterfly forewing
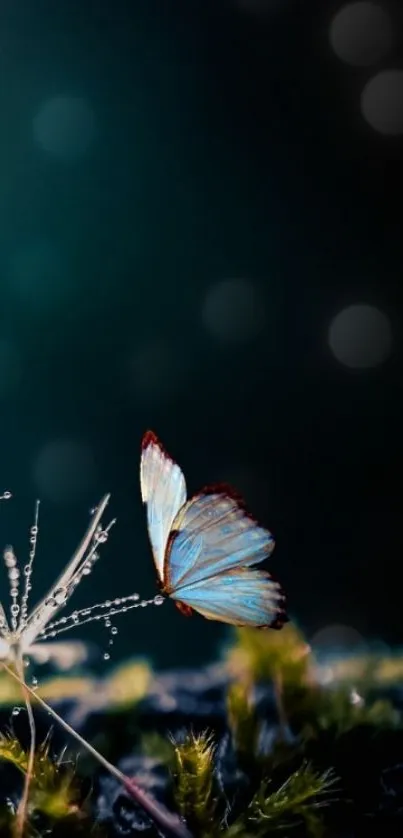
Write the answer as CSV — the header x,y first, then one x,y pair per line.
x,y
213,534
238,597
163,490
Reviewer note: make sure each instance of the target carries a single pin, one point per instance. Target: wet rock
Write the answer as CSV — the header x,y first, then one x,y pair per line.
x,y
182,696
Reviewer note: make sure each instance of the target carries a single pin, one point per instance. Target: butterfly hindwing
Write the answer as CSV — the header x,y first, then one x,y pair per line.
x,y
163,490
211,534
238,597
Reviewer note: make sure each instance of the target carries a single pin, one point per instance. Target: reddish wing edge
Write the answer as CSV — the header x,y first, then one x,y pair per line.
x,y
186,610
150,438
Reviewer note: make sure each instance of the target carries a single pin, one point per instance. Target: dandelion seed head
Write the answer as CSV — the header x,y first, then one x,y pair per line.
x,y
28,629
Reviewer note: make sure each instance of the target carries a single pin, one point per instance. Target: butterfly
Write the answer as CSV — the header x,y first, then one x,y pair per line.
x,y
204,548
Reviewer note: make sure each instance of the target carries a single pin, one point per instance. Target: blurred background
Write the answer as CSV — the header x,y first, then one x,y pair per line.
x,y
201,233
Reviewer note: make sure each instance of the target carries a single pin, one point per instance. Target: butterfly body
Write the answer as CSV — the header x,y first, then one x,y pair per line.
x,y
204,547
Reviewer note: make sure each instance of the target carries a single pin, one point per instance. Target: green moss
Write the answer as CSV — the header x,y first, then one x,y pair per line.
x,y
299,799
194,781
53,790
258,655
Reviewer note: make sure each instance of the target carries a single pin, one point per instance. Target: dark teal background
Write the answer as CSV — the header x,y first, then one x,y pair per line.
x,y
226,146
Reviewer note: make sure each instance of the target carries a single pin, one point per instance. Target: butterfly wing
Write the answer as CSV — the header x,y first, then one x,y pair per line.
x,y
163,490
238,597
213,533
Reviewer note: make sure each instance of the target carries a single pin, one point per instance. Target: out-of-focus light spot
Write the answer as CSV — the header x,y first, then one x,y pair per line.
x,y
65,127
360,337
156,371
64,471
39,276
10,369
361,33
356,698
382,102
338,639
233,311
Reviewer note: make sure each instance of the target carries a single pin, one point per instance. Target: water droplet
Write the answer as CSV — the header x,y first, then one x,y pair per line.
x,y
158,600
101,536
6,496
50,602
27,570
60,595
16,711
14,573
34,683
34,530
106,656
143,603
108,623
74,616
15,609
86,570
114,630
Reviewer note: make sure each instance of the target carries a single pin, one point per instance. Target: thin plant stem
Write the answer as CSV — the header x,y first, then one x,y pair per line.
x,y
162,816
23,804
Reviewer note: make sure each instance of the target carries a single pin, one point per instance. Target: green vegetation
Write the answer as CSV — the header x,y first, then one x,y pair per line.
x,y
274,764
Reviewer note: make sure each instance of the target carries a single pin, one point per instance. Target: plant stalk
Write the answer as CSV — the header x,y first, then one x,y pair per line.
x,y
23,804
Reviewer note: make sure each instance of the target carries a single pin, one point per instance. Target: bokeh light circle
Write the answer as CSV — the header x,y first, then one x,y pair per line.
x,y
361,33
360,337
64,471
382,102
64,127
233,311
337,639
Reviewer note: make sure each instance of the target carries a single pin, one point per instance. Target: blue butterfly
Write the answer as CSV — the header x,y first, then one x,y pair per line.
x,y
203,548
